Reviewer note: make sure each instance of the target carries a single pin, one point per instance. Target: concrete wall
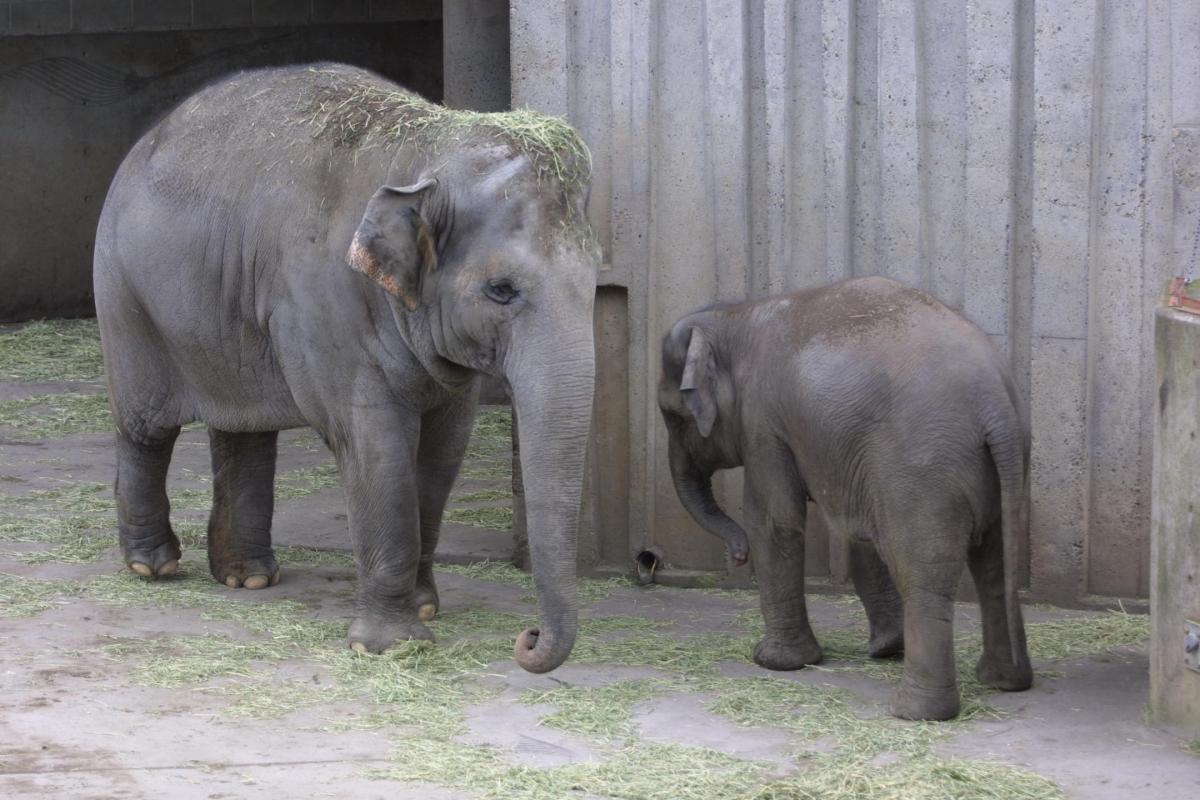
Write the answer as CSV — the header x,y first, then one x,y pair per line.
x,y
80,81
475,54
1012,157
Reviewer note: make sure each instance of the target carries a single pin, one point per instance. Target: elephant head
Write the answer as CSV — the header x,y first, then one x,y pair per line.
x,y
489,264
696,398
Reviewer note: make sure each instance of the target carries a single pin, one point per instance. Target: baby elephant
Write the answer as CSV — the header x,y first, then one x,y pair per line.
x,y
900,421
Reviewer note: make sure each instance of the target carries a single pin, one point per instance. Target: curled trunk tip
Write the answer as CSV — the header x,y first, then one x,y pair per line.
x,y
537,653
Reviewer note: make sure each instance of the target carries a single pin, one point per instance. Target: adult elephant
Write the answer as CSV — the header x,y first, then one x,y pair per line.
x,y
317,246
900,421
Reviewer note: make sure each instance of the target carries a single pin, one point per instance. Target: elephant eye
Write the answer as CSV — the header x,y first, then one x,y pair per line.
x,y
500,290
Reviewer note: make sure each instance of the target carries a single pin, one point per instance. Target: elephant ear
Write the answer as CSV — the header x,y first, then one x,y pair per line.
x,y
394,245
699,384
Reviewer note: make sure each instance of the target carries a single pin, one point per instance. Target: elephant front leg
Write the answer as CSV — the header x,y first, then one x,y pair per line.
x,y
382,501
444,437
777,553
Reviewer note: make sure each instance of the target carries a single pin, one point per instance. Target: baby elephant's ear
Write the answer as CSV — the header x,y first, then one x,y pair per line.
x,y
699,384
394,245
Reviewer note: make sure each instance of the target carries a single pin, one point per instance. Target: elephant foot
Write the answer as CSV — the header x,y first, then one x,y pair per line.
x,y
154,559
910,701
773,654
426,600
245,573
1002,674
373,635
886,642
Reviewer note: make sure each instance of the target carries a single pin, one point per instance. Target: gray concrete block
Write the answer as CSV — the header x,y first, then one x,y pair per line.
x,y
475,62
221,13
1058,469
341,10
90,16
281,12
162,14
41,16
1175,536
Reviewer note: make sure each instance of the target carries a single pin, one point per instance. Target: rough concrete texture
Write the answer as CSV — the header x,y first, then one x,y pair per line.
x,y
74,104
475,54
1014,159
1175,540
105,694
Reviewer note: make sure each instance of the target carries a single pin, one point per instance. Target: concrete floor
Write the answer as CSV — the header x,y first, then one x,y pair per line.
x,y
77,721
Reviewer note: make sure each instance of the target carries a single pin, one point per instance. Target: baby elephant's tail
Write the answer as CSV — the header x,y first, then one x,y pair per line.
x,y
1008,442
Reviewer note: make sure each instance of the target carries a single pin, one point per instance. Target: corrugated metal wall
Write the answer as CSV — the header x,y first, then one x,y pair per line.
x,y
1013,158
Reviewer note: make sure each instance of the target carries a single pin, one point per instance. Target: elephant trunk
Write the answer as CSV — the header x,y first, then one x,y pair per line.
x,y
694,487
552,381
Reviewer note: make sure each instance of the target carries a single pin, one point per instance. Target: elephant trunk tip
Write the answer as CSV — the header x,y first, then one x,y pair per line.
x,y
739,550
537,653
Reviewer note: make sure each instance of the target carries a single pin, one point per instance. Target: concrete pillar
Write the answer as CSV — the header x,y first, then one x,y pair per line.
x,y
1175,525
475,54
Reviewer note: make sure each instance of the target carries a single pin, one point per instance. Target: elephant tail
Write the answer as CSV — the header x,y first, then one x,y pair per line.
x,y
1008,443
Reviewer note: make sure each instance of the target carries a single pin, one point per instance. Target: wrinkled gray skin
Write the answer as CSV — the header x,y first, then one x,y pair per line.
x,y
229,291
899,420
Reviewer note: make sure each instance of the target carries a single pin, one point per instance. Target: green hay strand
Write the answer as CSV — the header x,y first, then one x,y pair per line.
x,y
483,495
75,498
74,539
489,451
923,777
27,597
496,518
51,350
646,771
1065,639
350,111
307,481
53,416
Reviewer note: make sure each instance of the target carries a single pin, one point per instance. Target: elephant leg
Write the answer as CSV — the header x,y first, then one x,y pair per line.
x,y
148,544
378,462
885,611
776,510
444,436
927,561
996,667
239,527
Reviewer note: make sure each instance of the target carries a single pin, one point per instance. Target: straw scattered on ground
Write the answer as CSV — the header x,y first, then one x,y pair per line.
x,y
53,416
51,350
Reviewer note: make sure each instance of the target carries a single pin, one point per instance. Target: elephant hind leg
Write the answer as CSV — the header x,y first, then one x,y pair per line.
x,y
927,561
239,526
148,544
1001,666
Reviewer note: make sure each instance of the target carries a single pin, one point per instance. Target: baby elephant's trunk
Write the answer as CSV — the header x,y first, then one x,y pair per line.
x,y
694,487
